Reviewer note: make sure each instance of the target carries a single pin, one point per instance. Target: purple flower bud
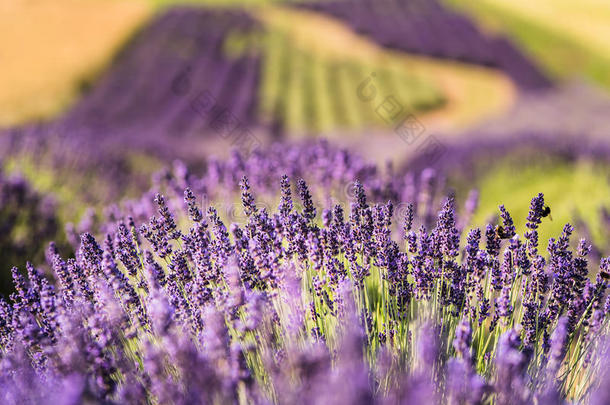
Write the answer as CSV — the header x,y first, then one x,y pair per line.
x,y
193,210
309,210
408,220
246,197
463,339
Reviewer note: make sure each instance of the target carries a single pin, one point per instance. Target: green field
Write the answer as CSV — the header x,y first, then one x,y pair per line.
x,y
309,55
312,92
567,38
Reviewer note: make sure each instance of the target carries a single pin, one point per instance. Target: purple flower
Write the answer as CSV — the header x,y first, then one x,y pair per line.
x,y
507,222
246,197
408,220
285,207
463,339
511,383
193,210
533,221
309,209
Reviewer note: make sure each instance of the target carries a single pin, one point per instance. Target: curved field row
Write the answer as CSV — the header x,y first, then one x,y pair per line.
x,y
337,60
321,91
309,91
174,79
426,27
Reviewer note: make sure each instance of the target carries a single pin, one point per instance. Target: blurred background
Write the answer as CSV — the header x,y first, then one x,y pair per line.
x,y
510,98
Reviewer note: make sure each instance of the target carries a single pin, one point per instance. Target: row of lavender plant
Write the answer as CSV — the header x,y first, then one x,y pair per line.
x,y
170,77
301,306
429,28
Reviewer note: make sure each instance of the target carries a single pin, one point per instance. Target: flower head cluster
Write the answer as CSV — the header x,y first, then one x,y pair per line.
x,y
289,307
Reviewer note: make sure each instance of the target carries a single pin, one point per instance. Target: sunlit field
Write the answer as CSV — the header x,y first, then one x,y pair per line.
x,y
51,50
568,38
304,202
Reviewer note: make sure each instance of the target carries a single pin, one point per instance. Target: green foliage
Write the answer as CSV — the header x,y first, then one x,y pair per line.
x,y
559,54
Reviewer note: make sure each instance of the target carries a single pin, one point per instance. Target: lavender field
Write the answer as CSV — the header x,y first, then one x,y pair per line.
x,y
288,202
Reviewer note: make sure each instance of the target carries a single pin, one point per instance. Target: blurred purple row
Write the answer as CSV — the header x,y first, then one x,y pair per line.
x,y
175,78
428,28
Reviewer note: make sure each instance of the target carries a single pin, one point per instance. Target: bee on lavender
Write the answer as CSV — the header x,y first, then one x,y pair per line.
x,y
501,233
546,212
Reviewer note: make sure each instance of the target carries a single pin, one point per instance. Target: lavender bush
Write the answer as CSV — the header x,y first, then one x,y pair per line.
x,y
300,304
